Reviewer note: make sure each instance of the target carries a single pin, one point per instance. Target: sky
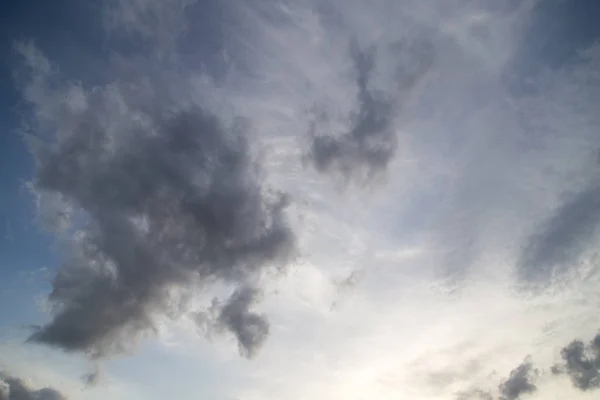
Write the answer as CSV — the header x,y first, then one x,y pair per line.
x,y
333,199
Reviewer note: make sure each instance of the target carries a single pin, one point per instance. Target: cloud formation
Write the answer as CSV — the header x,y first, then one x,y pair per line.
x,y
371,141
175,203
563,238
475,394
581,362
156,195
519,382
154,26
12,388
250,328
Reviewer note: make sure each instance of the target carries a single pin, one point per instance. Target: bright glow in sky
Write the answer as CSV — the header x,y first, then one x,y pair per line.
x,y
337,199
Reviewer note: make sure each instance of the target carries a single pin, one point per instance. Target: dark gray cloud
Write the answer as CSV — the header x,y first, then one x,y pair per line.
x,y
562,238
162,210
581,363
371,142
519,382
12,388
250,329
235,316
163,196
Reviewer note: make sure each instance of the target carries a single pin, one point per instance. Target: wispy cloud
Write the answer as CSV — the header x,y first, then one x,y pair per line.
x,y
371,142
519,383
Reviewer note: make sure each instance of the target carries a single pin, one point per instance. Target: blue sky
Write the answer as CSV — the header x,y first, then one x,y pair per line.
x,y
439,165
24,248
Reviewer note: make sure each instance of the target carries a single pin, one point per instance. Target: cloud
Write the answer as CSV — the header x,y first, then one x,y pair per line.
x,y
519,382
163,208
371,142
149,27
581,363
563,238
12,388
250,329
126,195
157,195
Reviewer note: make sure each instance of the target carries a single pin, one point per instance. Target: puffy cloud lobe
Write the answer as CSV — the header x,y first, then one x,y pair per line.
x,y
519,382
581,364
235,316
563,238
164,195
371,142
12,388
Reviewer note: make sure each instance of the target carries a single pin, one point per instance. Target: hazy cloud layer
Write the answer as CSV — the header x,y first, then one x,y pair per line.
x,y
475,394
12,388
519,382
155,194
150,27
